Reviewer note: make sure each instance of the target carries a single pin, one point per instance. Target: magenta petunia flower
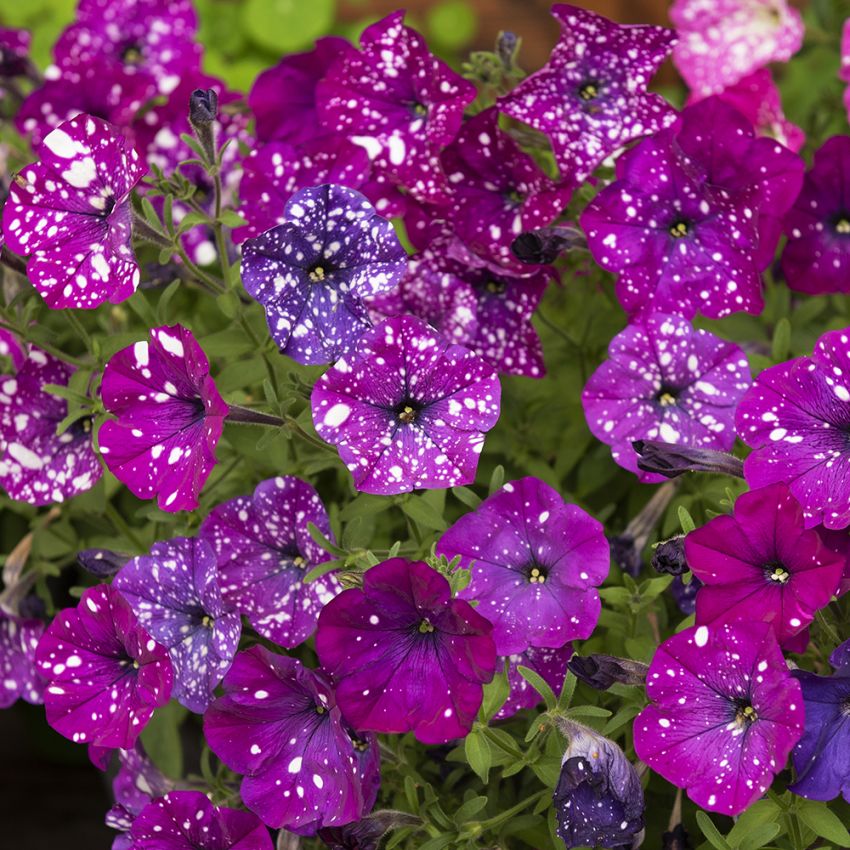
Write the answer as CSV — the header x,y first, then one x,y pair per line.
x,y
19,677
11,347
551,664
536,563
404,655
278,724
761,564
498,191
816,258
38,465
71,213
105,673
399,102
187,820
590,99
314,273
175,593
264,549
665,380
723,41
14,51
724,714
408,410
169,418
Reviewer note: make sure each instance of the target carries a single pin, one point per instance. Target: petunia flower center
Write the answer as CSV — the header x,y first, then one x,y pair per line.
x,y
316,273
536,573
777,574
298,561
425,627
745,714
207,622
679,229
666,396
514,197
589,90
842,226
495,287
419,109
132,54
406,412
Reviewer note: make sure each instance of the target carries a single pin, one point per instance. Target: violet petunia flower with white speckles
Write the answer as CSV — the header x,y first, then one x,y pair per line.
x,y
264,550
38,465
724,714
19,677
551,664
816,258
399,102
723,41
408,410
796,417
404,655
665,380
175,593
590,99
278,724
760,563
536,562
14,52
314,273
169,418
105,673
71,214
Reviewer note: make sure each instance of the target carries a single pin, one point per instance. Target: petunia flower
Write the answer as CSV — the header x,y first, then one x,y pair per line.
x,y
37,464
14,52
665,380
399,102
407,411
590,98
816,258
761,563
11,348
724,714
404,655
723,41
71,214
19,677
169,418
550,664
535,562
264,550
105,673
278,724
175,593
187,820
796,417
314,273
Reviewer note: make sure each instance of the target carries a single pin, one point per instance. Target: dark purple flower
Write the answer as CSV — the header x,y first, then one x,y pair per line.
x,y
102,563
19,678
724,714
314,273
169,418
671,461
762,564
668,557
551,664
796,417
404,655
665,380
105,673
71,213
14,52
175,593
685,595
38,465
590,99
816,258
408,411
399,102
603,671
278,724
366,834
536,563
264,549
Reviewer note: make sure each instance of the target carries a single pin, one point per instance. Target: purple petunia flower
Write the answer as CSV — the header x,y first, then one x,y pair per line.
x,y
175,593
314,273
38,465
816,258
187,820
169,418
71,213
724,714
105,673
14,52
404,655
279,725
408,411
796,417
665,380
19,677
723,41
10,347
498,191
536,563
399,102
761,564
591,99
551,664
264,549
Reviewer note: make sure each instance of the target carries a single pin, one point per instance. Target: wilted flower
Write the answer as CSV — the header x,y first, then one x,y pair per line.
x,y
672,460
366,834
102,562
669,557
602,671
546,244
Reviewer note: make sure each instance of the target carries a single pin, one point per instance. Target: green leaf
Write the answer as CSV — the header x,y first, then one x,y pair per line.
x,y
495,694
284,26
467,496
760,836
711,832
165,300
437,843
423,514
161,739
228,303
478,754
539,684
781,345
231,218
469,809
686,520
567,691
752,819
190,220
589,711
497,479
824,822
323,541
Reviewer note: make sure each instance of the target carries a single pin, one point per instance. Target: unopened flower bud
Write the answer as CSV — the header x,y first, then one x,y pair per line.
x,y
366,833
669,557
543,246
203,109
602,671
672,460
102,562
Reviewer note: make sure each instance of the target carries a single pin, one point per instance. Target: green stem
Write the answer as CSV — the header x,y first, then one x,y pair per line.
x,y
261,348
827,627
45,346
559,331
293,426
77,325
499,819
215,286
121,526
